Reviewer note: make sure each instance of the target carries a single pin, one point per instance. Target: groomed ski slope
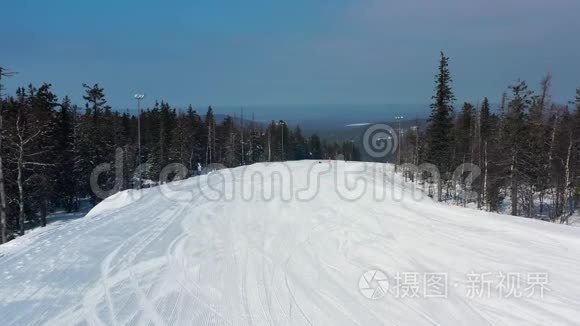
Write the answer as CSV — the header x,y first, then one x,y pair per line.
x,y
180,258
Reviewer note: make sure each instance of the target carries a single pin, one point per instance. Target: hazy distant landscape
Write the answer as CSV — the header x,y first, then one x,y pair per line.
x,y
324,117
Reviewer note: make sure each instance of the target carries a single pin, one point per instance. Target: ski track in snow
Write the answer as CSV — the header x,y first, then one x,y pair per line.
x,y
159,261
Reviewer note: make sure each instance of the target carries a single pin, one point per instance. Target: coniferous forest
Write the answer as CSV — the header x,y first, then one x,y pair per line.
x,y
50,146
525,153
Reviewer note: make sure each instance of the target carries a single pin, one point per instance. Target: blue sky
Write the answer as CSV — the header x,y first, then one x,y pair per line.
x,y
244,53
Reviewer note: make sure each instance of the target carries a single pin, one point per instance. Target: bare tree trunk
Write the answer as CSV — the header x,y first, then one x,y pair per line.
x,y
3,228
550,158
514,186
479,158
531,202
472,143
461,185
3,237
484,191
20,194
21,144
568,189
541,197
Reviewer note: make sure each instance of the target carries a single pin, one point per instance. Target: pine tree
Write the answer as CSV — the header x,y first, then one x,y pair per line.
x,y
537,161
515,133
315,148
27,153
298,144
197,133
210,126
486,130
166,125
463,128
124,139
41,183
96,147
227,138
181,136
463,139
282,130
66,187
441,123
79,159
256,150
151,131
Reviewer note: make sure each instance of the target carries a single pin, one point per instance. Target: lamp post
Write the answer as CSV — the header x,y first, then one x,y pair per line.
x,y
139,97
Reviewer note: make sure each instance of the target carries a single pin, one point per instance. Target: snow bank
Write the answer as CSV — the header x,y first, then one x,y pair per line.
x,y
116,201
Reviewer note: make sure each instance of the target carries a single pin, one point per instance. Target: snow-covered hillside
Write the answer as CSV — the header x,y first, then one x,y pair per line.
x,y
319,250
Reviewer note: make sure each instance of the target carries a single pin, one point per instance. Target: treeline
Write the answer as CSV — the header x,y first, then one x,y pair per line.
x,y
527,150
49,148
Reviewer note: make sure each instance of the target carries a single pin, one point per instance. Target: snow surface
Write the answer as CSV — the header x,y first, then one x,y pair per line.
x,y
179,254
